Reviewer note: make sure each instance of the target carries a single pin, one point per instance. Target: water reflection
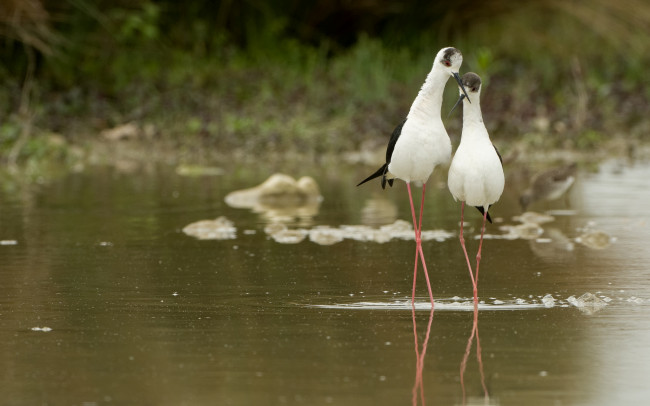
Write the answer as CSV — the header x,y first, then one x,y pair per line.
x,y
378,211
463,364
552,246
418,386
100,284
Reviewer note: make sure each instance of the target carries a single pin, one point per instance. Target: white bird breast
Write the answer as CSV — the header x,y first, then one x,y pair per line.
x,y
417,152
476,175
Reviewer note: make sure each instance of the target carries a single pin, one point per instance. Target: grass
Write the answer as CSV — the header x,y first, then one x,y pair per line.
x,y
556,75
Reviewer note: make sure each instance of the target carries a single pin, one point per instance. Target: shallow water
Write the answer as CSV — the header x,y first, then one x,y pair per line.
x,y
106,301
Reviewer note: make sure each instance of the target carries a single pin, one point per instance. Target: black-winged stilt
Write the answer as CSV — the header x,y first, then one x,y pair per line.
x,y
549,185
476,173
420,142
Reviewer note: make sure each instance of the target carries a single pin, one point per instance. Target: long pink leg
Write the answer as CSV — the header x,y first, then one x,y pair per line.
x,y
417,252
478,258
478,353
418,243
462,243
419,365
463,363
418,377
415,273
424,351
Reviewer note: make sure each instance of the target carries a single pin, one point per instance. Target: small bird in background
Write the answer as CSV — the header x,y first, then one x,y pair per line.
x,y
420,142
549,185
476,172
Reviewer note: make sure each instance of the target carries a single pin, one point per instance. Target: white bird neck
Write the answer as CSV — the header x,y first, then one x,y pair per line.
x,y
428,102
472,111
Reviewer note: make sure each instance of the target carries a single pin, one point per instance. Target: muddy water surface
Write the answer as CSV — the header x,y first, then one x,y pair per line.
x,y
106,301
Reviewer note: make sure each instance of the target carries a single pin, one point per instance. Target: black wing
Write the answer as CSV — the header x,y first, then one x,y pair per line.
x,y
480,208
389,153
393,140
499,155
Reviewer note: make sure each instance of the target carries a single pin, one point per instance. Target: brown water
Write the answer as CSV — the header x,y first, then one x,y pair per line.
x,y
106,301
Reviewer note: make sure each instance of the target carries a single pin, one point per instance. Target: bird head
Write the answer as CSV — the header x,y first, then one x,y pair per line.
x,y
450,60
469,82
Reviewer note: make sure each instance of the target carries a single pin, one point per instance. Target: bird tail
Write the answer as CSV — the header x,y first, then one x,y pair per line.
x,y
380,172
480,208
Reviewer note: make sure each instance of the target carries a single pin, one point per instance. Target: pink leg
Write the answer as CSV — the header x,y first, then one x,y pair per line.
x,y
419,365
418,243
478,258
478,354
418,378
463,363
424,351
462,243
415,274
417,239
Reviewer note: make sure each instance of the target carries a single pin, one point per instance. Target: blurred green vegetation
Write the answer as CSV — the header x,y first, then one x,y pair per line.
x,y
315,77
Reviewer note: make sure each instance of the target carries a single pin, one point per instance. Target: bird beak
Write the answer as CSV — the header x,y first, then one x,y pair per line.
x,y
460,99
460,83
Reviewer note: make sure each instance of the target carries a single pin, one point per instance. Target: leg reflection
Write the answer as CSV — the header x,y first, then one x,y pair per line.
x,y
418,387
463,364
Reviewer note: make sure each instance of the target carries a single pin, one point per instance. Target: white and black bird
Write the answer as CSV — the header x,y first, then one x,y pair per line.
x,y
476,171
420,142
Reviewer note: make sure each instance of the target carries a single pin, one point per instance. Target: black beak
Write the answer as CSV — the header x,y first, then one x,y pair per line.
x,y
460,99
460,83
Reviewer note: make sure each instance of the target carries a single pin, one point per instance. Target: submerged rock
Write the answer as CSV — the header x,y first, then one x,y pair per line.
x,y
525,231
531,217
198,170
378,211
274,228
548,300
587,303
218,229
279,190
280,198
595,239
325,235
289,236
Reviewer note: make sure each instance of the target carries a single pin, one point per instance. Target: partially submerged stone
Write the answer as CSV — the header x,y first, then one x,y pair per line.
x,y
525,231
290,236
587,303
325,235
378,211
534,218
218,229
280,198
594,239
279,190
198,170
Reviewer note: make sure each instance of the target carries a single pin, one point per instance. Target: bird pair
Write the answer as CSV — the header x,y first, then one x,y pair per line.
x,y
420,143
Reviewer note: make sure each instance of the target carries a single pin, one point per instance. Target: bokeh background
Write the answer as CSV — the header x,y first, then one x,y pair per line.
x,y
213,80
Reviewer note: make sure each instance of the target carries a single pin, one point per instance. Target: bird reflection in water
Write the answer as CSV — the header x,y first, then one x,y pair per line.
x,y
463,363
419,356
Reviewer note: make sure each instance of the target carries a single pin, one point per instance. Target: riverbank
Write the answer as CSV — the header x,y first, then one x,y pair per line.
x,y
154,91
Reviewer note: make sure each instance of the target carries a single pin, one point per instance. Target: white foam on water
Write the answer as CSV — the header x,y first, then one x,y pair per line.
x,y
449,304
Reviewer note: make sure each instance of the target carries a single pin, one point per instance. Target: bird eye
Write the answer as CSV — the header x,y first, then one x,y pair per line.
x,y
446,62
